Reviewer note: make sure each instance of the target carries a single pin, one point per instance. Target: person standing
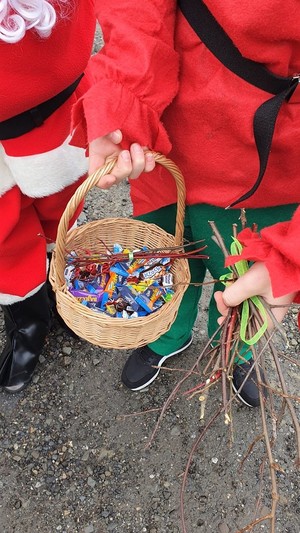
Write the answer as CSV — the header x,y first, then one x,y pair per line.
x,y
160,85
45,48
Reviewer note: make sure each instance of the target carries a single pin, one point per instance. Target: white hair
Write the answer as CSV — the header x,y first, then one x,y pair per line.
x,y
18,16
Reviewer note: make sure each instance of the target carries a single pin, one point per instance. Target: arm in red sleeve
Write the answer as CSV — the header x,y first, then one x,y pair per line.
x,y
135,74
278,246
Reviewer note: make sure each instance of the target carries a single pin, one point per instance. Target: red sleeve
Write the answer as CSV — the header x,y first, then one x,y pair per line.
x,y
278,247
135,75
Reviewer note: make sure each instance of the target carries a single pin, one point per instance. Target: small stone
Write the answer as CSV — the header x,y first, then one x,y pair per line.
x,y
86,455
91,482
264,511
67,361
18,504
89,529
214,460
223,528
35,454
294,342
67,350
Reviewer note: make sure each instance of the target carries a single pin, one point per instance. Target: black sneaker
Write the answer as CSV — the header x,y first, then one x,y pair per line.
x,y
249,393
138,371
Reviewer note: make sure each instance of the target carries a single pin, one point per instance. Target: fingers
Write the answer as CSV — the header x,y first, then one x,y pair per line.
x,y
221,306
115,136
121,170
130,164
255,282
238,291
141,161
103,147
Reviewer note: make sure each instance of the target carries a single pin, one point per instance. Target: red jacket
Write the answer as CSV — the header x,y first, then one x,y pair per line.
x,y
155,76
35,69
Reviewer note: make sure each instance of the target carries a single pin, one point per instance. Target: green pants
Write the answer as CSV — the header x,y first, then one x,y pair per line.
x,y
196,228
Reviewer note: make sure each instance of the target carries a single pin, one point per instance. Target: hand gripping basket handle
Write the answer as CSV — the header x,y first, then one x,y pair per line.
x,y
92,181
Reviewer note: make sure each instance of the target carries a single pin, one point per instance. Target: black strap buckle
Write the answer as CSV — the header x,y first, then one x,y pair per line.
x,y
36,116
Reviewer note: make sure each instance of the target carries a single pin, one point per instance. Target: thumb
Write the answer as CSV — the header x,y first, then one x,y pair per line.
x,y
256,281
115,136
103,147
240,290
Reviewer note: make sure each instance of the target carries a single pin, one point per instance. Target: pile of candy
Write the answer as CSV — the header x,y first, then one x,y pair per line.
x,y
130,288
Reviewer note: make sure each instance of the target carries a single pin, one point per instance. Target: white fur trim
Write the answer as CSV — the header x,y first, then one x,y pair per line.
x,y
9,299
43,174
6,179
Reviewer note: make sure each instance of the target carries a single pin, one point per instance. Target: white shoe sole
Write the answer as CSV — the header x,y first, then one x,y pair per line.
x,y
160,363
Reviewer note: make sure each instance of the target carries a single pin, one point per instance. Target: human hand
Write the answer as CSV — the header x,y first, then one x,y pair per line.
x,y
130,163
255,282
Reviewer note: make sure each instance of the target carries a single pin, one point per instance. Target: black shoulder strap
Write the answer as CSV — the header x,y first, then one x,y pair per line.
x,y
220,44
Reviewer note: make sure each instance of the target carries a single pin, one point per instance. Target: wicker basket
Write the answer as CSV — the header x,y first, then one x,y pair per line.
x,y
99,328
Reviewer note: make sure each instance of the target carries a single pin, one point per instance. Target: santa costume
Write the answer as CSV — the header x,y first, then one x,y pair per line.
x,y
44,51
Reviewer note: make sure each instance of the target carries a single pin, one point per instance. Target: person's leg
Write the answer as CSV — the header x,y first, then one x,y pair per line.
x,y
224,220
138,371
23,295
50,210
28,223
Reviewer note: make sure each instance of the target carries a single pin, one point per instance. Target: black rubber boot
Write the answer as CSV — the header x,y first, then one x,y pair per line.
x,y
26,324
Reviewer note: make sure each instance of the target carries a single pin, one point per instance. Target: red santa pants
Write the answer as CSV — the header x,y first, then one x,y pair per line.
x,y
27,226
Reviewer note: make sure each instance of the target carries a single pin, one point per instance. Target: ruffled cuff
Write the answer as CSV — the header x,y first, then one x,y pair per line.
x,y
95,115
284,273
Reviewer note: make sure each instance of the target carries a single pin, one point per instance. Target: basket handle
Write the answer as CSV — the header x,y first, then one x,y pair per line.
x,y
91,182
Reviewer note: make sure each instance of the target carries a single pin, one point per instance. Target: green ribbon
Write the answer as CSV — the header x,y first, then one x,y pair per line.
x,y
242,267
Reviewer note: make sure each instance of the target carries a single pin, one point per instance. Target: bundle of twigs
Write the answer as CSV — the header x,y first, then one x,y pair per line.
x,y
220,368
109,257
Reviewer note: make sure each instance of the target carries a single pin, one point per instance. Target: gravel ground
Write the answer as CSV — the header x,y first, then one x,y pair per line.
x,y
73,451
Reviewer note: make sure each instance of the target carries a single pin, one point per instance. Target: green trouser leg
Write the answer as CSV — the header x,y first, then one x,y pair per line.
x,y
188,310
197,228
